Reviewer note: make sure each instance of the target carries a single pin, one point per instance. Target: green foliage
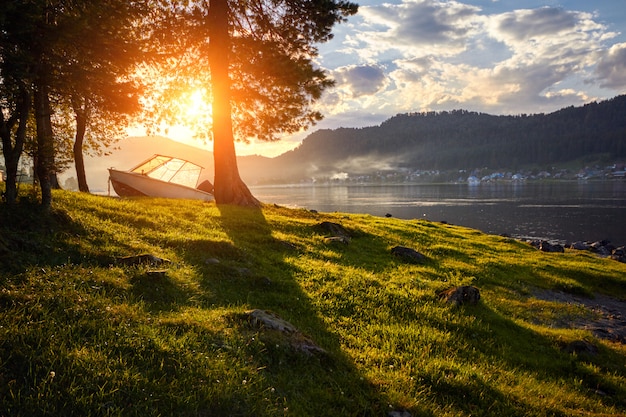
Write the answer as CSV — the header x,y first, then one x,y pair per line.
x,y
83,335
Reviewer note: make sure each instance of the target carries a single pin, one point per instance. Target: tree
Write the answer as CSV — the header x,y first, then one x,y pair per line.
x,y
261,72
15,89
102,45
14,116
74,55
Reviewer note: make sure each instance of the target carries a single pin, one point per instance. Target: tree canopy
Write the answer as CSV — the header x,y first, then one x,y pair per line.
x,y
69,60
89,62
256,61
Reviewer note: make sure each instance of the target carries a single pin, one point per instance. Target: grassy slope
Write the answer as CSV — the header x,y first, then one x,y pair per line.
x,y
81,336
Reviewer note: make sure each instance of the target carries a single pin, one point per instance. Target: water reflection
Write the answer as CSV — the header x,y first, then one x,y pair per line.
x,y
570,211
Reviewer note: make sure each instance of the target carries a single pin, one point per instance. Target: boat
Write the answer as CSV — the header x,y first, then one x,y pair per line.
x,y
162,176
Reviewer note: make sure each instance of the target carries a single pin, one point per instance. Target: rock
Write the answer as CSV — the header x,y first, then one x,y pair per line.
x,y
618,258
408,255
337,239
336,231
141,259
211,261
619,254
602,247
461,295
602,251
271,321
244,271
546,246
157,273
388,215
304,344
580,245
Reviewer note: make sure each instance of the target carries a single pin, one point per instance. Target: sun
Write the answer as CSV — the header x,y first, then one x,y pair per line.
x,y
196,106
193,116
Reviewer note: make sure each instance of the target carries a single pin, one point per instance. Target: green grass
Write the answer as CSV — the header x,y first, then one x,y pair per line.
x,y
81,335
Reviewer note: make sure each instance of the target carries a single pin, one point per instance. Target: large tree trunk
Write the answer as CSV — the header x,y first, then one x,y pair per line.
x,y
12,149
229,188
79,161
45,143
11,161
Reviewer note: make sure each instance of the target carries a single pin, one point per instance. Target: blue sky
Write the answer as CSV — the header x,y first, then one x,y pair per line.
x,y
492,56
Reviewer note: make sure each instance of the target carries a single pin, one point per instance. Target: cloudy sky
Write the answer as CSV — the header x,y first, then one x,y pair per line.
x,y
493,56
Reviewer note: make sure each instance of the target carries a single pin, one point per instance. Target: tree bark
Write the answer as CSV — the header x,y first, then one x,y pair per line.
x,y
12,149
79,160
228,185
45,143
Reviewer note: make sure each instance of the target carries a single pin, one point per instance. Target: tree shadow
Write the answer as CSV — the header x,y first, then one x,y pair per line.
x,y
22,243
520,350
237,276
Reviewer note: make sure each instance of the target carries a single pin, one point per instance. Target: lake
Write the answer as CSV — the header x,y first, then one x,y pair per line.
x,y
558,210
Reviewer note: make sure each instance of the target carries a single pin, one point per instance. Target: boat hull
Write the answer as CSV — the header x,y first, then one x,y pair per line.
x,y
130,184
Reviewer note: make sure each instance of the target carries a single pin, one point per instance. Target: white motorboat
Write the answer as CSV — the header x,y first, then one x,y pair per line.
x,y
162,176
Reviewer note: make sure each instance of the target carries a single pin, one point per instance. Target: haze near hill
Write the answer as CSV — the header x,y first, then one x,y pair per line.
x,y
461,139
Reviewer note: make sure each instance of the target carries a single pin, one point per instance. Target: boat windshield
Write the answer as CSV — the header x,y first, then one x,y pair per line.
x,y
168,169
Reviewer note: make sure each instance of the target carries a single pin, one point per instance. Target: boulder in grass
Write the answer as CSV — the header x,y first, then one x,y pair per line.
x,y
619,254
580,245
271,321
338,232
463,295
546,246
337,239
409,255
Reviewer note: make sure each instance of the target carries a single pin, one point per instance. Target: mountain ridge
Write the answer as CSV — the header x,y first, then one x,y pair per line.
x,y
462,139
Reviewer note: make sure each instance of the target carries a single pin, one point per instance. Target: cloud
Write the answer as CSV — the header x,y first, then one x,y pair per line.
x,y
422,27
611,69
360,80
523,25
445,54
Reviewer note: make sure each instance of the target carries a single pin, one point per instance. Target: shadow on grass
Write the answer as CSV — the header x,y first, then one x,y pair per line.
x,y
158,291
513,348
320,384
22,243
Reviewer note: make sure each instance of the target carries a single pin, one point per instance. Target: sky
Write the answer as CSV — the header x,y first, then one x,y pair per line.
x,y
492,56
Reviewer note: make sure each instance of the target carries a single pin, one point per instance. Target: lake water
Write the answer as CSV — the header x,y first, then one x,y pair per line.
x,y
563,211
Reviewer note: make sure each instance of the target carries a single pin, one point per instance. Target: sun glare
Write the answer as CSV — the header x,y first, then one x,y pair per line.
x,y
196,107
191,124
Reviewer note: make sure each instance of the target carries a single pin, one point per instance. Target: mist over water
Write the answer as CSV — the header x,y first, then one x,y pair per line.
x,y
563,210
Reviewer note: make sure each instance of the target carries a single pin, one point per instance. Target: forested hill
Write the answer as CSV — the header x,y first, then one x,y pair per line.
x,y
462,139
